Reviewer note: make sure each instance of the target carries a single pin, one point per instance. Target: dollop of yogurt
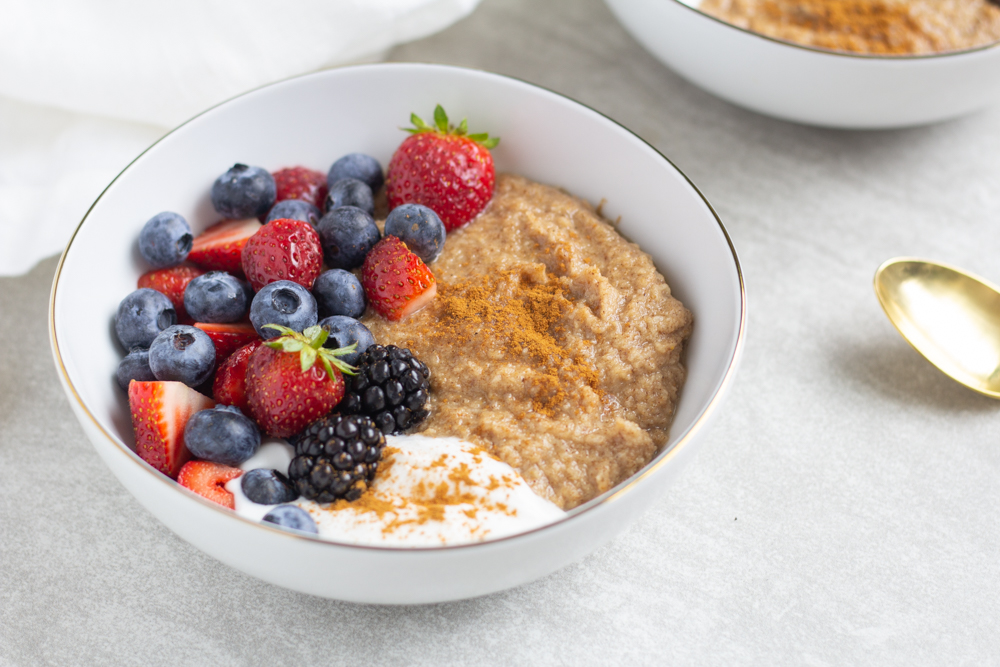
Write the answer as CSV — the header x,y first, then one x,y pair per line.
x,y
428,492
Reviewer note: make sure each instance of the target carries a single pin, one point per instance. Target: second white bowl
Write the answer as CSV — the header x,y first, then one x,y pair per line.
x,y
809,85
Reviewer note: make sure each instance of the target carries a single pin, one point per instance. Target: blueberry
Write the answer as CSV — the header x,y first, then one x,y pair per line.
x,y
135,366
291,516
243,192
285,303
347,234
216,296
295,209
363,167
350,192
419,228
222,435
142,315
339,292
184,354
268,487
165,240
344,331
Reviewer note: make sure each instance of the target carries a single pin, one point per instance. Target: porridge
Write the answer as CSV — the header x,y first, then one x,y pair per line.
x,y
553,343
888,27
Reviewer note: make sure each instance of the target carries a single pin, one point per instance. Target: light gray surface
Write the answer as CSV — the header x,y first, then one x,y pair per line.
x,y
842,510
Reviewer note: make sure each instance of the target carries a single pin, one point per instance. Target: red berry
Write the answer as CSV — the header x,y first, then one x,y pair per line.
x,y
283,249
292,381
171,283
397,283
160,411
301,183
230,386
209,480
444,168
228,337
220,247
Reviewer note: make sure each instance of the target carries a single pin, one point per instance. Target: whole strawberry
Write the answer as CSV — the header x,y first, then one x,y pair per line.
x,y
444,168
397,283
292,380
283,249
301,183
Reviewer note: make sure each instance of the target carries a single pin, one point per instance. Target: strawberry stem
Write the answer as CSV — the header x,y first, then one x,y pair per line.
x,y
441,126
309,345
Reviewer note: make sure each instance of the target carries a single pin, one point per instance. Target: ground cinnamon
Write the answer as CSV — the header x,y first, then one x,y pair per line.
x,y
524,314
427,502
887,27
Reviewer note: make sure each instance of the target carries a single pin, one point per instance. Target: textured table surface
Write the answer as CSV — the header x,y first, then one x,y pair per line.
x,y
842,510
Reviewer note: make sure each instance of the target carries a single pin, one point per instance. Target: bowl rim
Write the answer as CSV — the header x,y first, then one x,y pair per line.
x,y
608,496
843,54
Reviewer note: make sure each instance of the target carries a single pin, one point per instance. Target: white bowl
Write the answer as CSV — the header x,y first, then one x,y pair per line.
x,y
312,120
811,85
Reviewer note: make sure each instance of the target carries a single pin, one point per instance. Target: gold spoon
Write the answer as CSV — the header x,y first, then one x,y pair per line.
x,y
949,316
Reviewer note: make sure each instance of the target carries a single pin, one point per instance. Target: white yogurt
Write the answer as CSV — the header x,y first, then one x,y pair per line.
x,y
428,492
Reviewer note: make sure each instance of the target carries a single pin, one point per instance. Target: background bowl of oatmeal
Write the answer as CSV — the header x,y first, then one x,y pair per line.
x,y
312,120
807,84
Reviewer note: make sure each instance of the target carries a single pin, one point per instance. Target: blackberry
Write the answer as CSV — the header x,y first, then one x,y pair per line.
x,y
391,386
336,457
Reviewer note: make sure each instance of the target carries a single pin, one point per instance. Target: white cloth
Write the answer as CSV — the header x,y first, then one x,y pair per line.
x,y
85,87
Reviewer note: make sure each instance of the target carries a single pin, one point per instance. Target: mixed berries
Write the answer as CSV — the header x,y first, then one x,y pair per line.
x,y
252,328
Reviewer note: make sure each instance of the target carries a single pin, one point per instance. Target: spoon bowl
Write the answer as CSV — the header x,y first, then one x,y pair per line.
x,y
949,316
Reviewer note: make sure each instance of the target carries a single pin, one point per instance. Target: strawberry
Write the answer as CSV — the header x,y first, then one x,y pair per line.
x,y
397,283
228,337
171,283
301,183
444,168
283,249
209,480
160,411
220,247
286,389
230,386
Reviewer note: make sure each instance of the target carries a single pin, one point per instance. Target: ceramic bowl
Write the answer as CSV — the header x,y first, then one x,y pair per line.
x,y
312,120
810,85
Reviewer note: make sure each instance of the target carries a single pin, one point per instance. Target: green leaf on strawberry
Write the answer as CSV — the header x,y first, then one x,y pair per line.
x,y
441,126
309,345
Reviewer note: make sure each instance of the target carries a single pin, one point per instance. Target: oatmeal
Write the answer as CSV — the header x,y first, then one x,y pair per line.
x,y
890,27
553,343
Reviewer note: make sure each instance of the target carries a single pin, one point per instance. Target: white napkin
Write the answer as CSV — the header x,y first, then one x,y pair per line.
x,y
88,85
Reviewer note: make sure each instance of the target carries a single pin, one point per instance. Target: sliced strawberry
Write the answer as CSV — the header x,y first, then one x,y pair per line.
x,y
172,282
397,283
209,480
230,387
220,247
228,337
293,380
444,168
301,183
283,249
160,411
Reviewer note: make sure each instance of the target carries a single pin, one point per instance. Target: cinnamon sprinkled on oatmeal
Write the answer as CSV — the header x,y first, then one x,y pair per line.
x,y
524,317
887,27
553,343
